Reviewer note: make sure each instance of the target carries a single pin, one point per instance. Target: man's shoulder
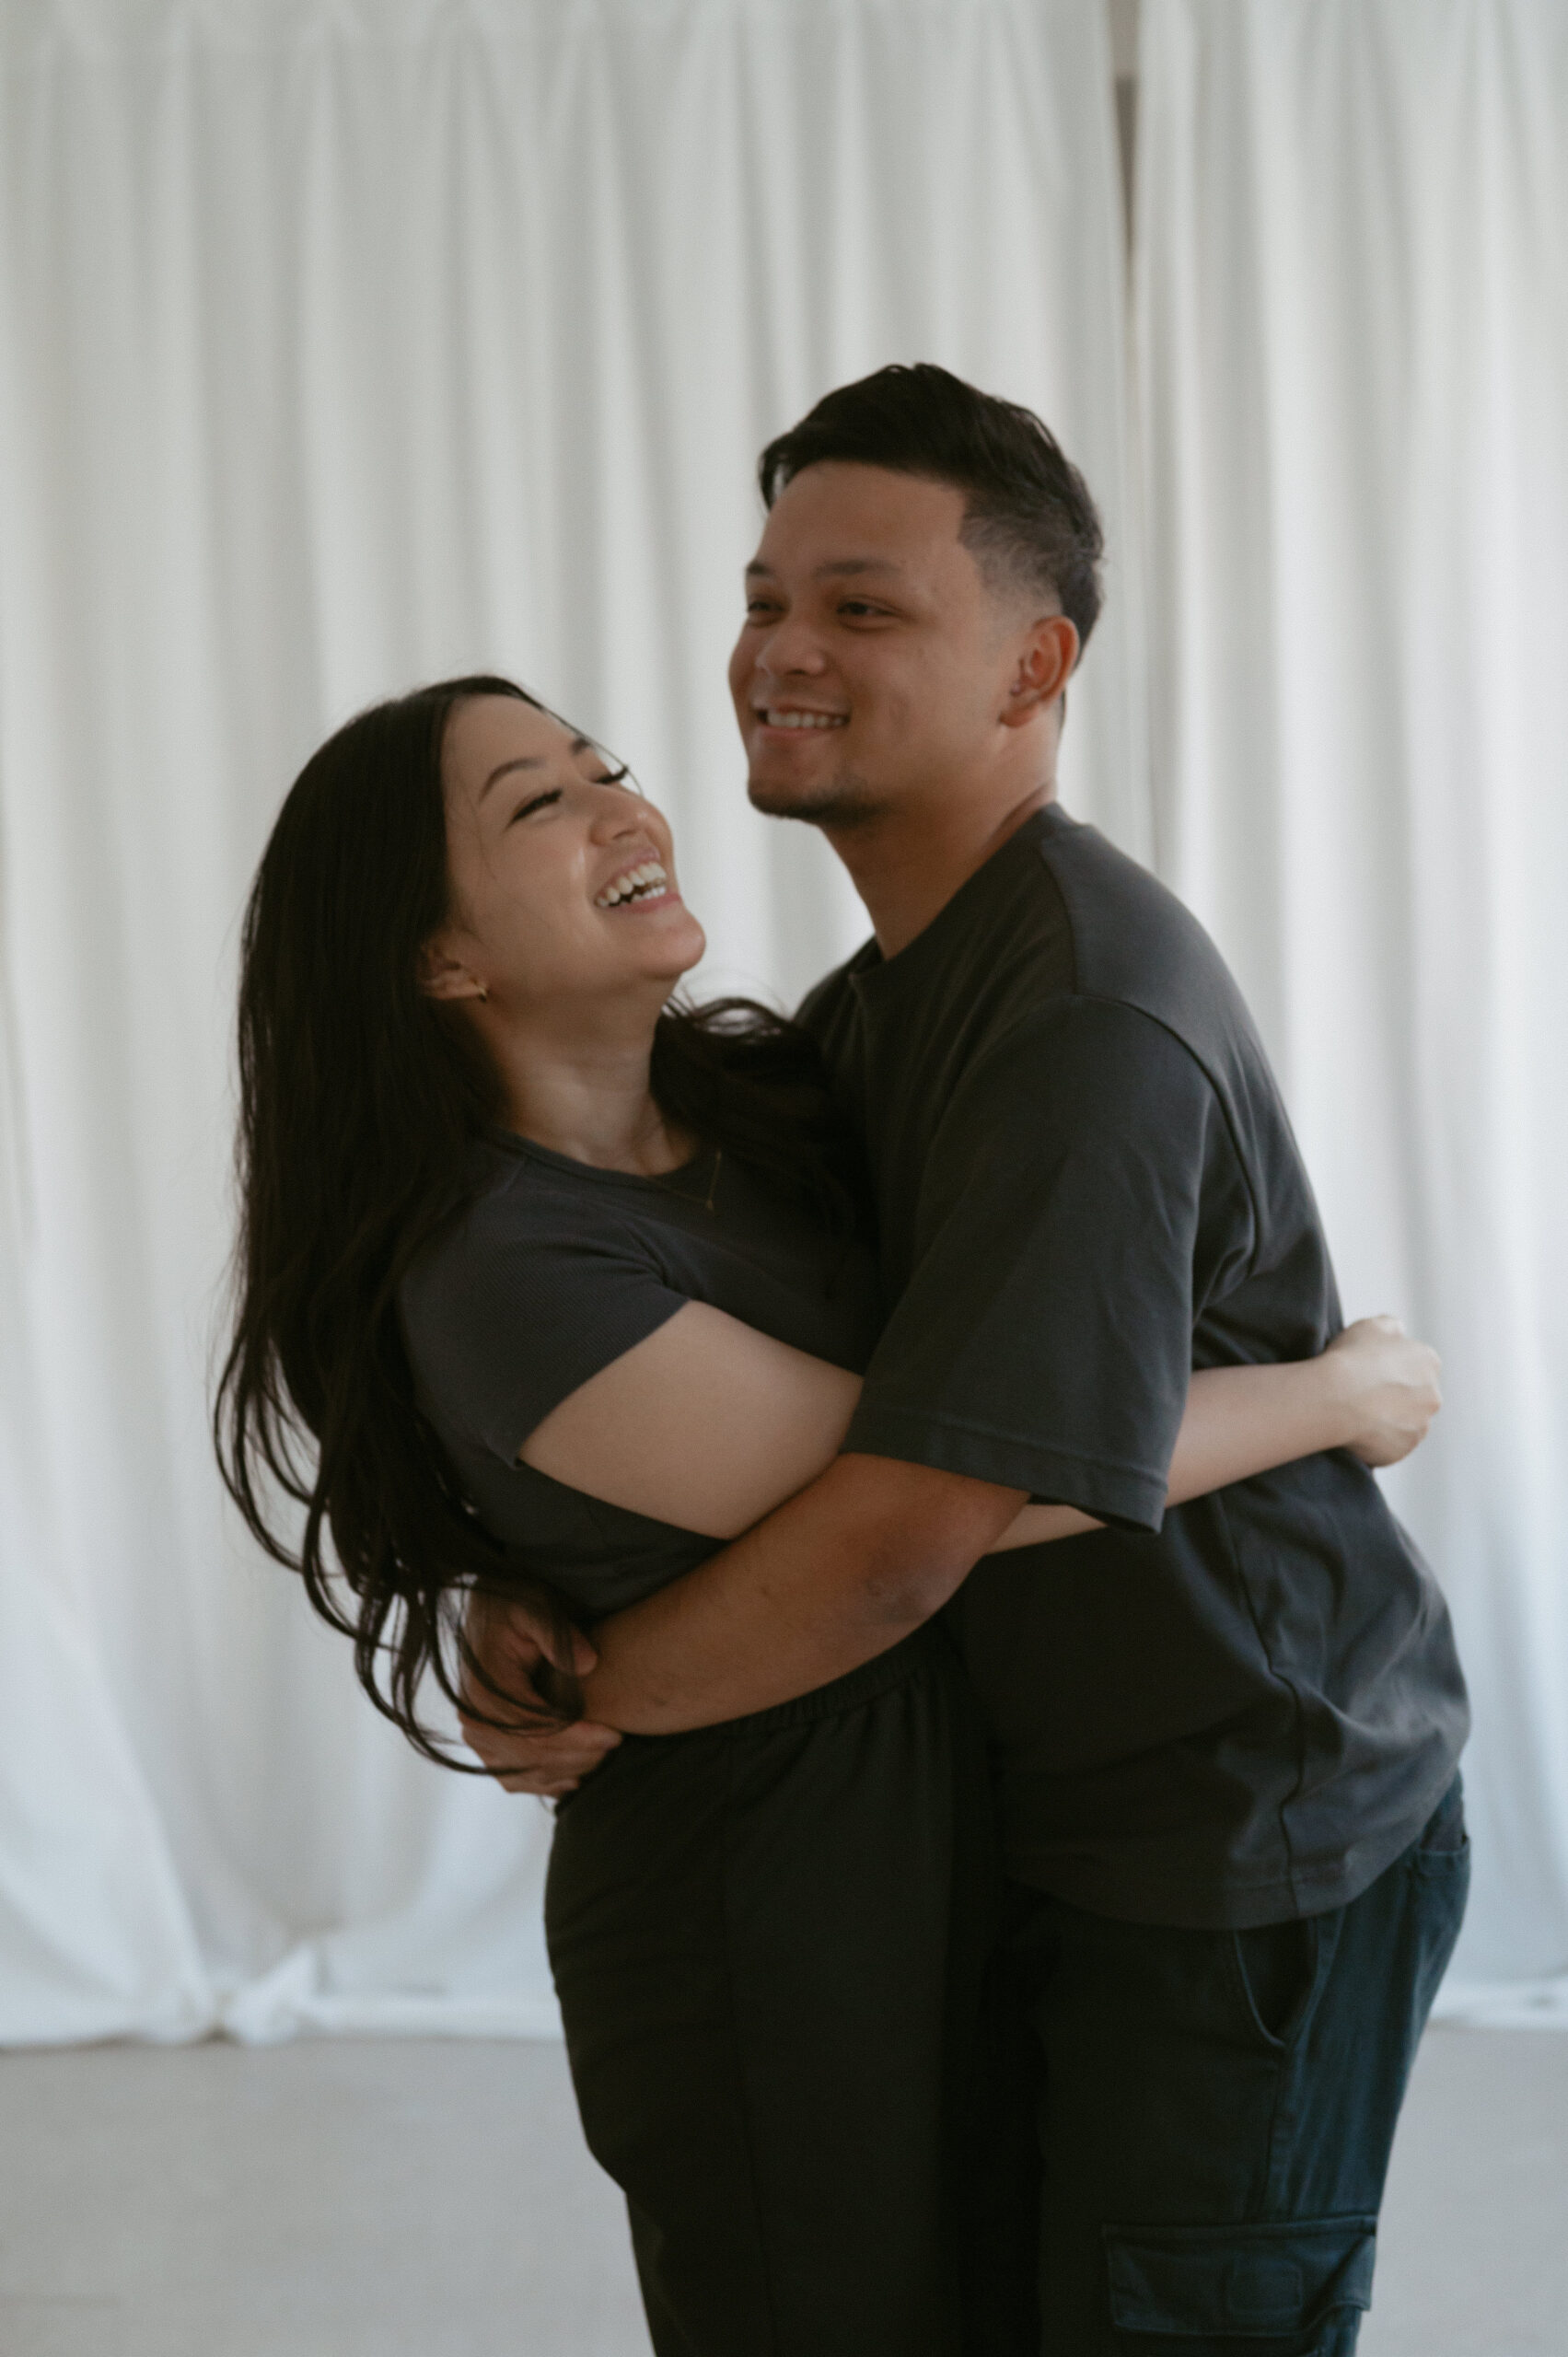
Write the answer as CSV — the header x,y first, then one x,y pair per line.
x,y
1135,943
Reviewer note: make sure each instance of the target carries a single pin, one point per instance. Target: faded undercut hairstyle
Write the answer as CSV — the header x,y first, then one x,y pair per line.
x,y
1029,521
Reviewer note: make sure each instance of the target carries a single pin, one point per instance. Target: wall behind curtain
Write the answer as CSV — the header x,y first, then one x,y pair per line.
x,y
1353,340
343,343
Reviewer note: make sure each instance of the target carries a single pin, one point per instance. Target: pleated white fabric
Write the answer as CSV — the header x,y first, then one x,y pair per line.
x,y
1351,328
344,344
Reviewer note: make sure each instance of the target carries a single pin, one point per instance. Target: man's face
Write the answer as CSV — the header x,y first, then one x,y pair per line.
x,y
875,662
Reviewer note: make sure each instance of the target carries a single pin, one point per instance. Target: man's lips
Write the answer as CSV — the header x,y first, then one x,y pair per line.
x,y
779,723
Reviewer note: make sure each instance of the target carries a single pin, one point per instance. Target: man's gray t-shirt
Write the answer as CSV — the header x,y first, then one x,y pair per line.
x,y
1088,1185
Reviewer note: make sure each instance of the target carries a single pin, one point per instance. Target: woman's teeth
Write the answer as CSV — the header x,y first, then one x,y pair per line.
x,y
648,882
805,719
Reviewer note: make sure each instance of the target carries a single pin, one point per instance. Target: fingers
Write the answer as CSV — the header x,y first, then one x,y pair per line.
x,y
564,1649
504,1630
549,1763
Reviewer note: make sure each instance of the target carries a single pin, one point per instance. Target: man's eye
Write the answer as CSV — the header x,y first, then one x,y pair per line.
x,y
538,802
860,606
757,609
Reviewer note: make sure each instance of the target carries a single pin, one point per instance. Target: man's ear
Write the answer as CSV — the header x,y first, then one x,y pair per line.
x,y
1044,666
442,976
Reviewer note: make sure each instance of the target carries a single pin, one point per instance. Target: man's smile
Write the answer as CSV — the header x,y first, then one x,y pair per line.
x,y
793,718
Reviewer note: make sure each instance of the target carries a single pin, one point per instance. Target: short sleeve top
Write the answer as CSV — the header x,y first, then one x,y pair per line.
x,y
1087,1184
553,1269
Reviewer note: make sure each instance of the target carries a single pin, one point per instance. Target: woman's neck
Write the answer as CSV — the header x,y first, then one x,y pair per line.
x,y
586,1094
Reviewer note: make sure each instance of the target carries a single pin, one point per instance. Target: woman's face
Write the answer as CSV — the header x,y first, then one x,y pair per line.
x,y
563,876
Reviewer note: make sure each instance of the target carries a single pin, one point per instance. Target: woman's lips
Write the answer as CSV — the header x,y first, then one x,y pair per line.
x,y
645,878
667,897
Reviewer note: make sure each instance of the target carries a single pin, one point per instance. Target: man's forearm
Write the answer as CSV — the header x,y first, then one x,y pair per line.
x,y
828,1580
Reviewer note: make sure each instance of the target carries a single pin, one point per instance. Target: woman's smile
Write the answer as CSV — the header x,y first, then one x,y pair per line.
x,y
644,884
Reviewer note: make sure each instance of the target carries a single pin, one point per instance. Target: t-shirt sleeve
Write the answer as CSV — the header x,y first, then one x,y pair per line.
x,y
1044,1338
502,1327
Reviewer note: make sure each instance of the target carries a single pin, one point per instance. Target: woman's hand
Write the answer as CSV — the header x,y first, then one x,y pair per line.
x,y
1388,1387
508,1641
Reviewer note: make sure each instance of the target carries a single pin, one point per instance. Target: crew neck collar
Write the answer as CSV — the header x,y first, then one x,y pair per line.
x,y
529,1150
872,971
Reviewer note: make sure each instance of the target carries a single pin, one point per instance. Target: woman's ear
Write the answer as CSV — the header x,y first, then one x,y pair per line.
x,y
442,976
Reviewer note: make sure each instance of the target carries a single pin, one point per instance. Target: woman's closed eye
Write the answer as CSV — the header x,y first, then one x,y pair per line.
x,y
622,776
536,802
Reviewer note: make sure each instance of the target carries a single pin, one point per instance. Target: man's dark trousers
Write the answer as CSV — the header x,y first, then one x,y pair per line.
x,y
1188,2147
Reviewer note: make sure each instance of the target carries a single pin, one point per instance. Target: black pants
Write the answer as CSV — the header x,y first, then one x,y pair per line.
x,y
1206,2117
767,1939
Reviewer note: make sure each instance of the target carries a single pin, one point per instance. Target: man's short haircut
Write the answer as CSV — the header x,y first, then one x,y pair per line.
x,y
1030,520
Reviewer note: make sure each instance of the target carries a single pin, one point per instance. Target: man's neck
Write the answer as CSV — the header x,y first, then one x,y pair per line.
x,y
906,863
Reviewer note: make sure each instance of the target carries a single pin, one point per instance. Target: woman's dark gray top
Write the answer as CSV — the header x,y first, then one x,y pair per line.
x,y
555,1270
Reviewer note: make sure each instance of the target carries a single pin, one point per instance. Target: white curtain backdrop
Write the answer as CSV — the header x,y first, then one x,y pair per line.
x,y
344,344
1352,330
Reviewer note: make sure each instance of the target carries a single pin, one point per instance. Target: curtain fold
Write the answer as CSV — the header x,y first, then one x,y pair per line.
x,y
344,344
1352,360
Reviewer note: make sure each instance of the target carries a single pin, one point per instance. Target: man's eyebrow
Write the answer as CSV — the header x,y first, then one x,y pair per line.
x,y
526,762
835,568
839,565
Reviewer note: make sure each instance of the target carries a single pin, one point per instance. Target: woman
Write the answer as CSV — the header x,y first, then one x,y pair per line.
x,y
545,1290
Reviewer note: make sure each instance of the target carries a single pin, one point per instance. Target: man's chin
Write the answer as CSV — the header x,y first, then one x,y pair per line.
x,y
831,802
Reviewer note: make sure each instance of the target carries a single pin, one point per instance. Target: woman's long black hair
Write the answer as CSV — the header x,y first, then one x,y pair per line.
x,y
361,1101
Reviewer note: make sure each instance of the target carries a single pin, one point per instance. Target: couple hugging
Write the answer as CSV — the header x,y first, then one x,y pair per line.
x,y
897,1477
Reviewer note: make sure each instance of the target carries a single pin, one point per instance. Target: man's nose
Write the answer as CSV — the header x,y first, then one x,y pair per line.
x,y
791,647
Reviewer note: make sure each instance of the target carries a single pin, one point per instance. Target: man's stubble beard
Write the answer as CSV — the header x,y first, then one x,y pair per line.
x,y
842,801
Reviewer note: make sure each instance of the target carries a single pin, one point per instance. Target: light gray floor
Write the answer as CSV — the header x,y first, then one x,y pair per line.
x,y
414,2200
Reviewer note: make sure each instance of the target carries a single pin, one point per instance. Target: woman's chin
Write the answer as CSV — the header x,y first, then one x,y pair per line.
x,y
684,945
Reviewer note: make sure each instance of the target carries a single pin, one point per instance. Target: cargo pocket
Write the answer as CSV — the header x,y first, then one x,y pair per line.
x,y
1194,2289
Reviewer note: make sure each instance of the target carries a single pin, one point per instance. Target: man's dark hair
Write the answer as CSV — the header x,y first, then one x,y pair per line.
x,y
1029,519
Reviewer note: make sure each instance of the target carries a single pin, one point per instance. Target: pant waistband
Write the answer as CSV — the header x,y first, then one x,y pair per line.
x,y
911,1657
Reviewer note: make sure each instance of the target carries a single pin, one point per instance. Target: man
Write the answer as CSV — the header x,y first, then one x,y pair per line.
x,y
1225,1740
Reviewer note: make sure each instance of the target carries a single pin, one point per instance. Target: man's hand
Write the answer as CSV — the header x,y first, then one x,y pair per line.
x,y
1392,1390
509,1642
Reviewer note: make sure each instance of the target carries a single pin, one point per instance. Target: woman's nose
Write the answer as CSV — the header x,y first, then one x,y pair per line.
x,y
620,813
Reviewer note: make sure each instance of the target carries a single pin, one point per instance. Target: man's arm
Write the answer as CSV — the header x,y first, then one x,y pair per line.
x,y
1374,1391
828,1580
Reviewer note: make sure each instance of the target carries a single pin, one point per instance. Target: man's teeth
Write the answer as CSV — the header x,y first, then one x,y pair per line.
x,y
645,883
804,719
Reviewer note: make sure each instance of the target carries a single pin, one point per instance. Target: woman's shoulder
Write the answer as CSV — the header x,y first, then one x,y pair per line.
x,y
522,1212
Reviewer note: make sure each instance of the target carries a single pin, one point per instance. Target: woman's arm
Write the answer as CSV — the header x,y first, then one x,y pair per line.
x,y
710,1424
707,1423
1373,1391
